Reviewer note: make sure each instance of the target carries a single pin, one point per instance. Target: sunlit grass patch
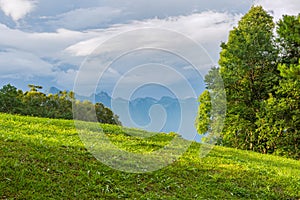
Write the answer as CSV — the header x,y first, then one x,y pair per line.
x,y
45,159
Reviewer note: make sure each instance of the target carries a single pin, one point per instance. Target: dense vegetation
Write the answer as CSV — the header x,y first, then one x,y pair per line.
x,y
261,76
44,159
36,103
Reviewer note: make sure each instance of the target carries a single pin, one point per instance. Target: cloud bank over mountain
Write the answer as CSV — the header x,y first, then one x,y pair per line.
x,y
47,42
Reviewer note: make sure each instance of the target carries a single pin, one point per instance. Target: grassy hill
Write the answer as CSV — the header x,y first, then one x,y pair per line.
x,y
45,159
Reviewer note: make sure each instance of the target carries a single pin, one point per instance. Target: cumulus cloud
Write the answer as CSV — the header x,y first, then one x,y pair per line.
x,y
179,35
41,44
27,55
203,27
78,27
71,47
17,9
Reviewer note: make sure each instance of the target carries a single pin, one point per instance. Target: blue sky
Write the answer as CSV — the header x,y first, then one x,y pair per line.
x,y
45,42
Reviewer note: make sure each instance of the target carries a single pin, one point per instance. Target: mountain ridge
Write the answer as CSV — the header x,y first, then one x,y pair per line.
x,y
166,115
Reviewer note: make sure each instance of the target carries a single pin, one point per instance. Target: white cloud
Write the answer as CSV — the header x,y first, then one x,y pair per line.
x,y
84,18
173,34
19,64
206,27
71,47
23,54
279,7
17,9
41,44
53,36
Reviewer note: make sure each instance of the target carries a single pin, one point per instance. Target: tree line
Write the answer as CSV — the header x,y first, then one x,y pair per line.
x,y
62,105
260,69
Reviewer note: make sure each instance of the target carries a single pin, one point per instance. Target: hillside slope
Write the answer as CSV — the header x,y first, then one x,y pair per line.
x,y
45,159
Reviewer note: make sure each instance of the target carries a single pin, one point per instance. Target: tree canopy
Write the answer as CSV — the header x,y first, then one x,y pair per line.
x,y
36,103
261,73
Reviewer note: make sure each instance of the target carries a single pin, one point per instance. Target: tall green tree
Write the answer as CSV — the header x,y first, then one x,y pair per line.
x,y
10,99
279,121
249,73
261,76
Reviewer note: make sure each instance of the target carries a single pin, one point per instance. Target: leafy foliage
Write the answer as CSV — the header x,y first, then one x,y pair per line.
x,y
203,120
261,80
246,63
10,99
289,38
36,103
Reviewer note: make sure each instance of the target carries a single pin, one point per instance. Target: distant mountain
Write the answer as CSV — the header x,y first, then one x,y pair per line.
x,y
139,108
101,97
104,98
164,115
169,114
53,90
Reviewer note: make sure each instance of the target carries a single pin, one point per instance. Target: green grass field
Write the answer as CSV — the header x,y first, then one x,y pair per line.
x,y
45,159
